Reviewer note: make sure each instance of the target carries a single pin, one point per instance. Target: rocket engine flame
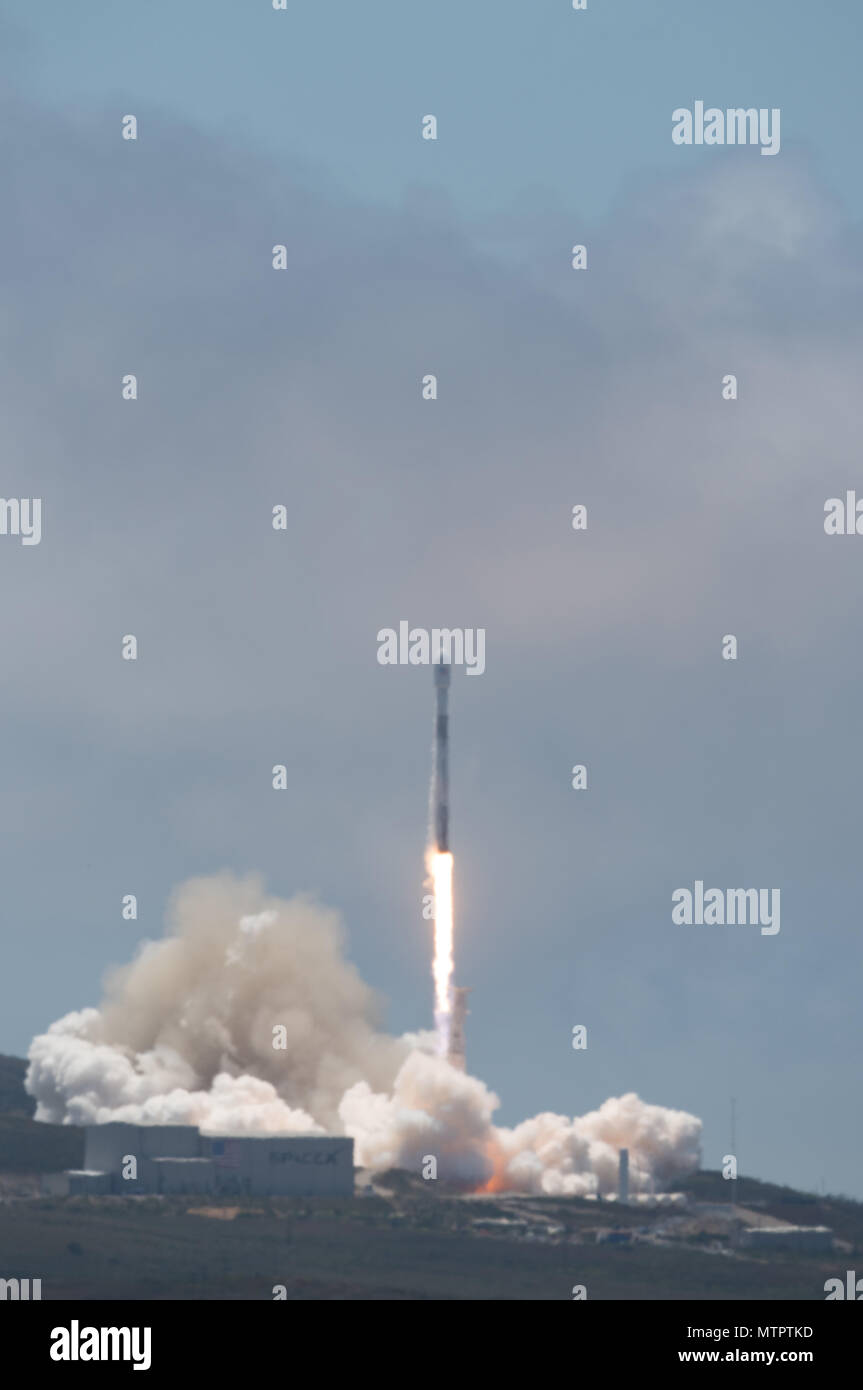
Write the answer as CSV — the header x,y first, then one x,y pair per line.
x,y
440,868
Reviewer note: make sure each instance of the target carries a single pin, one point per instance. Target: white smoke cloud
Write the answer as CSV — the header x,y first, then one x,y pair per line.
x,y
184,1035
555,1155
432,1109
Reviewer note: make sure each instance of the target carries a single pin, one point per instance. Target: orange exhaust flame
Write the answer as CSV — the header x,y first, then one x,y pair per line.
x,y
440,868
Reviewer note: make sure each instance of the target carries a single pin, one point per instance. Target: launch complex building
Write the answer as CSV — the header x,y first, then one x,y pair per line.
x,y
132,1159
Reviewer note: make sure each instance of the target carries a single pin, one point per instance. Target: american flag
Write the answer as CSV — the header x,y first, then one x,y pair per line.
x,y
226,1153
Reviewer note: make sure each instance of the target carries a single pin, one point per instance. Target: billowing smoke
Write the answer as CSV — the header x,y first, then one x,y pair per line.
x,y
185,1033
247,1019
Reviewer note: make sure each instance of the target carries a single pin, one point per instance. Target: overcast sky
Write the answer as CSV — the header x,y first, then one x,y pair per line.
x,y
555,387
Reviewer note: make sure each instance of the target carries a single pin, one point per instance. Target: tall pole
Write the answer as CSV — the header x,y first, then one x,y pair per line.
x,y
734,1150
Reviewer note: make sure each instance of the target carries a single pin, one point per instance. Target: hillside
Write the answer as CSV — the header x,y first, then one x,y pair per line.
x,y
14,1100
370,1248
406,1239
27,1147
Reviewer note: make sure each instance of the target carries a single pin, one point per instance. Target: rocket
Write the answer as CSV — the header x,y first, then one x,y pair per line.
x,y
451,1001
441,777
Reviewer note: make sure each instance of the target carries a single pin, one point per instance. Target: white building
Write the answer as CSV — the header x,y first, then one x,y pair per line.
x,y
179,1159
811,1239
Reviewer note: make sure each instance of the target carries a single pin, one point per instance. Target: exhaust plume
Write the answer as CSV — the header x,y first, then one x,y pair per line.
x,y
185,1035
440,871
